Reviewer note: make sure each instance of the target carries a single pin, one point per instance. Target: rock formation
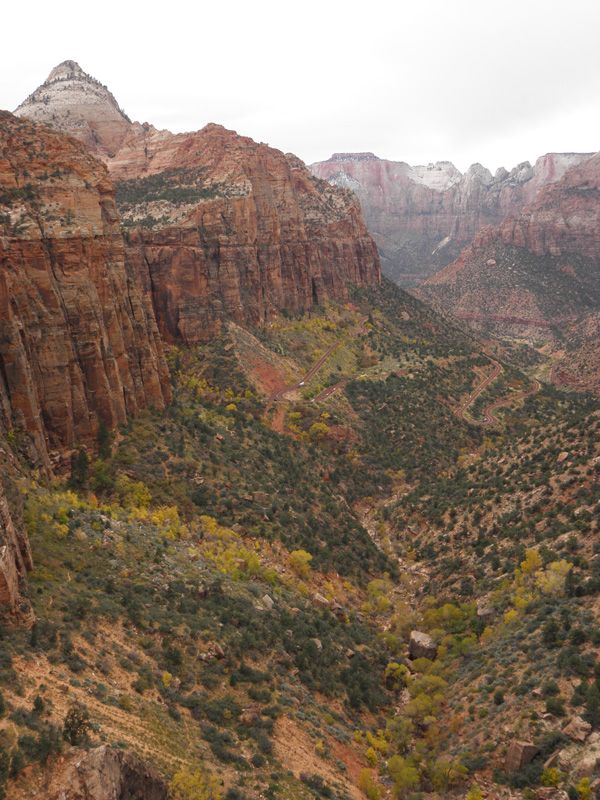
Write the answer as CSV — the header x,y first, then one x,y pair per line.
x,y
421,217
78,344
15,557
536,272
108,774
422,645
519,754
217,225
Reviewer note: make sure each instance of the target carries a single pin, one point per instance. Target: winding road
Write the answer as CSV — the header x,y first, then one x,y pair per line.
x,y
460,411
279,396
488,413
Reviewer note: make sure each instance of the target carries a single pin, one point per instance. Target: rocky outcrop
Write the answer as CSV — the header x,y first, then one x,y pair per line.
x,y
578,729
107,774
422,645
535,271
421,217
519,754
78,343
217,225
15,558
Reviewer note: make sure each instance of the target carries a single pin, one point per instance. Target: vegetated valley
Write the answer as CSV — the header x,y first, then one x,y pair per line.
x,y
228,589
272,529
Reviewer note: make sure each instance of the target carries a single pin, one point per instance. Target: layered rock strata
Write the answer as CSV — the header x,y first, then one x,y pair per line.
x,y
217,225
15,558
421,217
268,236
78,343
536,272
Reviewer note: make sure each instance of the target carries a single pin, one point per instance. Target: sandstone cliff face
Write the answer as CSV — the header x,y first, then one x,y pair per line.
x,y
104,773
272,237
536,270
15,558
253,233
78,344
421,217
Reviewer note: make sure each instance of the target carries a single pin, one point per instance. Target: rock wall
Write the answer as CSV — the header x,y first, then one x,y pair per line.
x,y
535,271
105,773
421,217
15,558
77,342
254,232
273,238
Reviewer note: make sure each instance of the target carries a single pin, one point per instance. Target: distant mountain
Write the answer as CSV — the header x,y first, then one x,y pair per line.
x,y
537,275
421,217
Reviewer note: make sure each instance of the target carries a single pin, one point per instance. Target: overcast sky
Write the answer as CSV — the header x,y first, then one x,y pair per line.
x,y
494,81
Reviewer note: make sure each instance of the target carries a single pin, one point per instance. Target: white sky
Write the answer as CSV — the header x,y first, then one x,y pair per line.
x,y
494,81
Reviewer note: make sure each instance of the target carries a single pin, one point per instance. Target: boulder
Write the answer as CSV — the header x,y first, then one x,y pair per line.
x,y
107,774
268,602
578,730
320,601
519,754
421,645
553,761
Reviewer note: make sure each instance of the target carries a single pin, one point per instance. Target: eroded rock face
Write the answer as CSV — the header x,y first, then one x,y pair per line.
x,y
535,270
218,226
421,217
107,774
279,239
78,342
15,558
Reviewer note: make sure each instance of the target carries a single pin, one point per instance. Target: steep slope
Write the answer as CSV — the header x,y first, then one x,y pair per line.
x,y
536,271
422,216
226,227
78,345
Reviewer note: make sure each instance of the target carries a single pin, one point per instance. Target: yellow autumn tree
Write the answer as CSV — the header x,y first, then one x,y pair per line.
x,y
197,785
300,562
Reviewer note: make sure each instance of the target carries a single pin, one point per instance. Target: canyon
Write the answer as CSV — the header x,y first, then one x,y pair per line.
x,y
422,216
537,272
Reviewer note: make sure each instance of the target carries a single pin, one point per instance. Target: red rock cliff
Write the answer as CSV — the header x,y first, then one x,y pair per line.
x,y
272,237
15,558
78,344
255,233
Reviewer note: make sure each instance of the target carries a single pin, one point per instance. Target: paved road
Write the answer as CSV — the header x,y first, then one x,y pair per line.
x,y
490,419
280,395
488,413
460,411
